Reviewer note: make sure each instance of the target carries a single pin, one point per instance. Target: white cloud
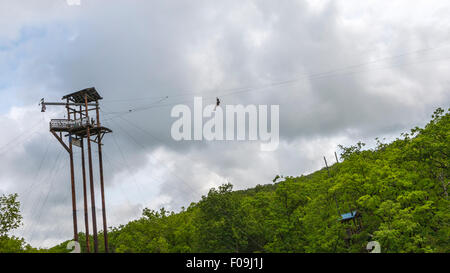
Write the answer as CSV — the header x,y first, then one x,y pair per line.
x,y
135,49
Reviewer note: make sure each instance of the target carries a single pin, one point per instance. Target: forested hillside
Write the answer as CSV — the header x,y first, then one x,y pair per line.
x,y
398,191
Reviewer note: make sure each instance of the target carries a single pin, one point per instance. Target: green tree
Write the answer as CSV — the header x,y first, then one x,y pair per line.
x,y
11,219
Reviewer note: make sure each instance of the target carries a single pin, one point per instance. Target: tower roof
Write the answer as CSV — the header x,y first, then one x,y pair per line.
x,y
78,97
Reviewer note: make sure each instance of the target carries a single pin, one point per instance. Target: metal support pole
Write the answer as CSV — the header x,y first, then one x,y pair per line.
x,y
86,215
326,165
329,175
67,104
72,180
102,187
91,179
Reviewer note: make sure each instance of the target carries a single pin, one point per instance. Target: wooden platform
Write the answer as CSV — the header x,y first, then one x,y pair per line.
x,y
94,130
77,128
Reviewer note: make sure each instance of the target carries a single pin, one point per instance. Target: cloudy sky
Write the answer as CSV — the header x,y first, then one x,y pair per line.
x,y
341,71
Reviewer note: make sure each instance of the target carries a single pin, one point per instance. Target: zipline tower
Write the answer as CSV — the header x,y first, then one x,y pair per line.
x,y
80,127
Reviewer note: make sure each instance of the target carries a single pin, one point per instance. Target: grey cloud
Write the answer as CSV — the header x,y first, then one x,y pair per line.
x,y
136,49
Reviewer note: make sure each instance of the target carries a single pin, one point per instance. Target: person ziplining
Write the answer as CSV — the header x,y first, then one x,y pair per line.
x,y
217,103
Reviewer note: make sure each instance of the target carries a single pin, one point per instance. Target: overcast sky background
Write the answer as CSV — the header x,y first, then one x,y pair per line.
x,y
359,70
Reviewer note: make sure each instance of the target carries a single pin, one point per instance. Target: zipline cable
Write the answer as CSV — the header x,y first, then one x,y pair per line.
x,y
302,76
270,85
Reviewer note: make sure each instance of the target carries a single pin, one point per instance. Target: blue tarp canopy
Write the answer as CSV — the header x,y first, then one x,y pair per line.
x,y
347,216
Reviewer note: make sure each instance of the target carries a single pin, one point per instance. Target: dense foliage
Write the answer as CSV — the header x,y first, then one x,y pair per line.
x,y
399,190
11,219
